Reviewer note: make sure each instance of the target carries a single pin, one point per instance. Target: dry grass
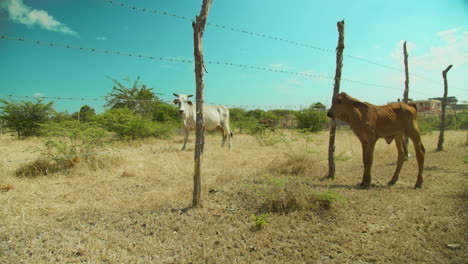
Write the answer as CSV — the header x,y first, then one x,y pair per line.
x,y
128,208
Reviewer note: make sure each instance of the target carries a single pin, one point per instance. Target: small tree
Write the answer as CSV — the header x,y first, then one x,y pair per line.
x,y
26,117
85,114
139,98
319,105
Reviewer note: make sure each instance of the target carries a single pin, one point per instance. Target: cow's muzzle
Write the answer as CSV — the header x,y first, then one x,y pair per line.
x,y
330,114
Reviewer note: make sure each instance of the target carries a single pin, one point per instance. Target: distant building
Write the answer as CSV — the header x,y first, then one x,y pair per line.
x,y
451,100
428,105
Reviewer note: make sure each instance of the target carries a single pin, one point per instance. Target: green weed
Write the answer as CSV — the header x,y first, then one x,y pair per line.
x,y
259,221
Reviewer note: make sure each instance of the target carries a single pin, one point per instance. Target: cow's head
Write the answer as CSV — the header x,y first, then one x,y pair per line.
x,y
182,101
343,105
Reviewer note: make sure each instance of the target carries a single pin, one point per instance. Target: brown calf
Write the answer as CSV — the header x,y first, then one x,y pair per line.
x,y
266,123
370,122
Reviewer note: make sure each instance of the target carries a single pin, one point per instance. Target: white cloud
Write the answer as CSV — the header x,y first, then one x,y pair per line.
x,y
101,38
453,49
38,95
22,14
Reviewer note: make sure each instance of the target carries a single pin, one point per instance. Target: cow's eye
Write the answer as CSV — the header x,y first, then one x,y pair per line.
x,y
339,101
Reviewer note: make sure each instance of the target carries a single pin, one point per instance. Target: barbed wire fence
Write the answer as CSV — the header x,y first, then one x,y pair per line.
x,y
270,37
223,63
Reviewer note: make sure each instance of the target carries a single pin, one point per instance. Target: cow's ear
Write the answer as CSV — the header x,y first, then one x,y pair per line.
x,y
189,102
190,95
360,105
176,95
175,101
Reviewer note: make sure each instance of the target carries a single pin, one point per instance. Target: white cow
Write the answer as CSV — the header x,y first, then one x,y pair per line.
x,y
215,117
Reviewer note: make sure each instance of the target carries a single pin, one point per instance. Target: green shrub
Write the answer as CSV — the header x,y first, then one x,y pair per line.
x,y
326,198
71,138
130,126
311,120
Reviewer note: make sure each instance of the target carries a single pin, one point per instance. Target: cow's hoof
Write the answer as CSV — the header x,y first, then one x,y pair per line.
x,y
418,186
390,183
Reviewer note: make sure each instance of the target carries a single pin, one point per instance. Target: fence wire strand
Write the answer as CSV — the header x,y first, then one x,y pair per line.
x,y
268,69
267,36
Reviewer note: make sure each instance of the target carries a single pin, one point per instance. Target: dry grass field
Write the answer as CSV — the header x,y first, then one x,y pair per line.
x,y
130,207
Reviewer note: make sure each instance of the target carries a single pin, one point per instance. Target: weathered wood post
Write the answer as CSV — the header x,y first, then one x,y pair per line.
x,y
405,54
442,118
405,93
336,90
198,29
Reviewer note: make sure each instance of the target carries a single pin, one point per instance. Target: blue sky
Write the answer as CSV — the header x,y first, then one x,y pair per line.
x,y
436,32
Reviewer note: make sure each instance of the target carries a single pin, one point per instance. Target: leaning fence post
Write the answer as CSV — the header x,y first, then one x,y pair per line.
x,y
198,29
442,118
336,90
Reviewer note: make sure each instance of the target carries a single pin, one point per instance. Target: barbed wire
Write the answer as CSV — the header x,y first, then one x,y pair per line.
x,y
167,147
95,50
304,74
266,36
289,106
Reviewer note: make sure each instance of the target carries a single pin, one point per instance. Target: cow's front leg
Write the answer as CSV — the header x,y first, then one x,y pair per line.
x,y
367,158
185,139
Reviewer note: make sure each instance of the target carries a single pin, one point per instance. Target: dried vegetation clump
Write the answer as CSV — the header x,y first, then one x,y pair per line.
x,y
44,166
41,167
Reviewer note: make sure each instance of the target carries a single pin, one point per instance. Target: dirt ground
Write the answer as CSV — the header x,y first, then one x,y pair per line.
x,y
130,207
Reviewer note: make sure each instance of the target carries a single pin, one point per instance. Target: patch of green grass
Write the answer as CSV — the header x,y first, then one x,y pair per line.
x,y
274,180
465,159
259,221
342,157
327,197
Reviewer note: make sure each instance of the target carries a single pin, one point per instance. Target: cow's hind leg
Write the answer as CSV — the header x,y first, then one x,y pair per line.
x,y
420,151
223,136
368,158
400,145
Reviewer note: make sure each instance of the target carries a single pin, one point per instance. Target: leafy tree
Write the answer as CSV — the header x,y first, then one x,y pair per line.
x,y
25,117
61,117
139,98
281,113
319,105
85,114
311,119
257,114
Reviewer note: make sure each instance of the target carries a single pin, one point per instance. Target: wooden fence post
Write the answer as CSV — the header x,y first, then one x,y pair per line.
x,y
336,90
198,29
442,118
405,94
